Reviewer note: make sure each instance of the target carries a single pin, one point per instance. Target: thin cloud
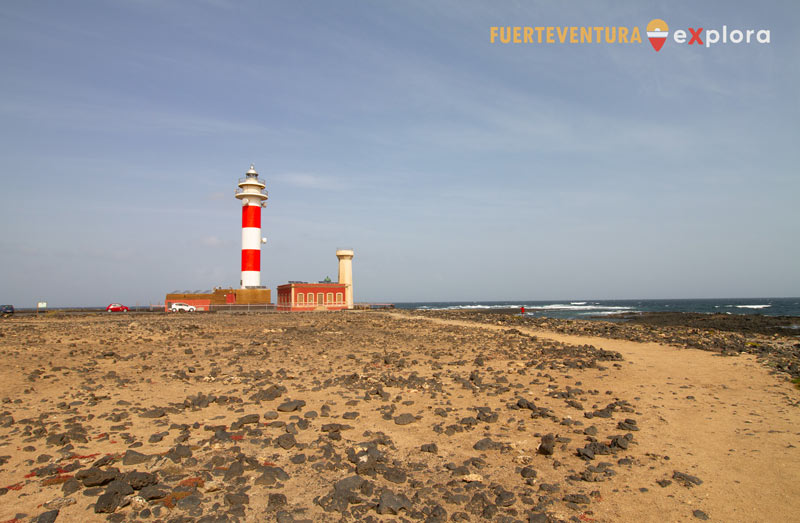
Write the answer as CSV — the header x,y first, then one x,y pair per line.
x,y
130,115
219,196
309,181
211,241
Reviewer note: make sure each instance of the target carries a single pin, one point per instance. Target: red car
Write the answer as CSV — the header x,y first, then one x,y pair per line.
x,y
116,307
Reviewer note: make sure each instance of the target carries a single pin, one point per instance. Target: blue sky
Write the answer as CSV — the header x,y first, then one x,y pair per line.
x,y
457,169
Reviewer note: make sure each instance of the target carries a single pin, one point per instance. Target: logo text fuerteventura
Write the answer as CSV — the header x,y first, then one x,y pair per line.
x,y
657,33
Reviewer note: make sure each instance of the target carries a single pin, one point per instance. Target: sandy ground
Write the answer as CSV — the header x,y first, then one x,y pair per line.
x,y
134,417
739,431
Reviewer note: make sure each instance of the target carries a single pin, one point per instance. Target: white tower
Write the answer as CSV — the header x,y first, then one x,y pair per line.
x,y
253,195
346,274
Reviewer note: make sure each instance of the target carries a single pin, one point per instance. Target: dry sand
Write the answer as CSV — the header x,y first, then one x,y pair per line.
x,y
161,395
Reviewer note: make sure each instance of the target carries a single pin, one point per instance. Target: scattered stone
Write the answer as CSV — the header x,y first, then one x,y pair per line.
x,y
151,492
132,457
286,441
120,487
237,499
235,470
107,503
578,499
429,447
391,503
404,419
46,517
395,475
547,445
139,480
59,503
487,444
276,502
70,486
505,498
627,424
334,427
271,475
345,492
179,452
245,420
153,413
686,480
94,477
291,406
273,392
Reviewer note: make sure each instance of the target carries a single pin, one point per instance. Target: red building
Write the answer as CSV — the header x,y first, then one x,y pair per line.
x,y
206,301
302,296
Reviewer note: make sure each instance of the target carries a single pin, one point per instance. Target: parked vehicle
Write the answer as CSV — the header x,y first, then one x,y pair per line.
x,y
116,307
182,307
6,310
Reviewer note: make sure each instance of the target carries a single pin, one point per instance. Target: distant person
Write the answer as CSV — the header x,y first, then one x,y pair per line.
x,y
522,310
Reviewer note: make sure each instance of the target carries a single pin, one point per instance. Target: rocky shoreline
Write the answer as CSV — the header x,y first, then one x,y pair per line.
x,y
775,340
325,417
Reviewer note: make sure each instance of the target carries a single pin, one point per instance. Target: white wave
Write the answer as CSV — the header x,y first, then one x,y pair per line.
x,y
571,307
577,303
604,313
472,307
752,306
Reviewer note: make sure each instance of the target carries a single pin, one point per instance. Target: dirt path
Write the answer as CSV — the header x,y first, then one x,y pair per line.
x,y
725,420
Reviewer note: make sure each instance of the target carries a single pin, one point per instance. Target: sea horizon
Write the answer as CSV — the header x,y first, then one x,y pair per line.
x,y
592,309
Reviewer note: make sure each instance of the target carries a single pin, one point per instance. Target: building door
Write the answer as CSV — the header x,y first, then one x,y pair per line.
x,y
320,299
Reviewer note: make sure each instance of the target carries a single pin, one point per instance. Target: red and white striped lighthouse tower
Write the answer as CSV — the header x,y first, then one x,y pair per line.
x,y
253,195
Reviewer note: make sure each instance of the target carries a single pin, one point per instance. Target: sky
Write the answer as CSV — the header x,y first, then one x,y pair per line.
x,y
456,168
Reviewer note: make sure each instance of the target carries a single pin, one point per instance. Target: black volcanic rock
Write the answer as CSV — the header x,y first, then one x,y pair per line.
x,y
245,420
686,480
271,393
547,445
391,503
46,517
139,480
291,406
404,419
285,441
94,477
487,444
107,502
132,457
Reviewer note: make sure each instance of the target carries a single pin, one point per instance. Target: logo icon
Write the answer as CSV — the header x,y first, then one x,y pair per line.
x,y
657,32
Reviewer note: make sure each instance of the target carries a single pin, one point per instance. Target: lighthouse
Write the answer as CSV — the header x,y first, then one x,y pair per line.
x,y
254,196
346,274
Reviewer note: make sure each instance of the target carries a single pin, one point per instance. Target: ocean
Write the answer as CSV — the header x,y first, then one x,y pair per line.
x,y
589,309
